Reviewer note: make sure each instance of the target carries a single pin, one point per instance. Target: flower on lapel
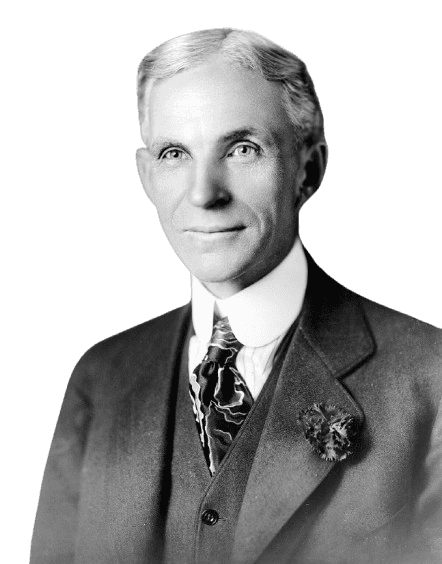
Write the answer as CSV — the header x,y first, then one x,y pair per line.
x,y
331,431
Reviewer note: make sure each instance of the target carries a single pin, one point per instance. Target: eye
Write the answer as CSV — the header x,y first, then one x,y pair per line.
x,y
173,154
244,150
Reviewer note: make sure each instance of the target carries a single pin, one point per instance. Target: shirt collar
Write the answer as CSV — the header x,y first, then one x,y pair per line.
x,y
261,312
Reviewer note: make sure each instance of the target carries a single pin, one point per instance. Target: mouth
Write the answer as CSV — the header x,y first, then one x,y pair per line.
x,y
213,235
214,230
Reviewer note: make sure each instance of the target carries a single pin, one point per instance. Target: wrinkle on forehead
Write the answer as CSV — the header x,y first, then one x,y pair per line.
x,y
216,95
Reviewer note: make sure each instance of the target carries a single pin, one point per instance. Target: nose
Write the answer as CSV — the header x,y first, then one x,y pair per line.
x,y
208,187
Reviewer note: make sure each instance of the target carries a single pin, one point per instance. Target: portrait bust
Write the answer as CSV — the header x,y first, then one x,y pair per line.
x,y
277,417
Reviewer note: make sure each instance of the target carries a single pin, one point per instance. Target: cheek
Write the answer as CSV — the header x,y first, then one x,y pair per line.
x,y
167,193
265,193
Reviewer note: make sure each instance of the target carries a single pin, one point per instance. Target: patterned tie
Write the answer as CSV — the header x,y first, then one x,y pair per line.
x,y
221,399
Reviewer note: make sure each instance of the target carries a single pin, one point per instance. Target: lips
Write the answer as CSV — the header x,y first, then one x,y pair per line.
x,y
214,229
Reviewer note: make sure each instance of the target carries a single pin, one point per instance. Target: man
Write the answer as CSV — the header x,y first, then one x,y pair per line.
x,y
279,417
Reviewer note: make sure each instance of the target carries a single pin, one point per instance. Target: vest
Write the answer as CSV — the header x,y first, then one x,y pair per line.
x,y
203,510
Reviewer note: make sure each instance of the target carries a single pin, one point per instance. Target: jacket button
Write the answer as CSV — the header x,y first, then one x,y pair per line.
x,y
210,517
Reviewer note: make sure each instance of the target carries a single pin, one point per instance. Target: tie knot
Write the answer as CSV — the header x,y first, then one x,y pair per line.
x,y
223,346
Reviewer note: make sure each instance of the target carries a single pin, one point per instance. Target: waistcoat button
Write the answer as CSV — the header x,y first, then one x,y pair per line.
x,y
210,517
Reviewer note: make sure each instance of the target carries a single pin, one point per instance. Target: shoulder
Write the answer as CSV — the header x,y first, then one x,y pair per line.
x,y
389,328
150,333
121,353
400,329
405,353
408,352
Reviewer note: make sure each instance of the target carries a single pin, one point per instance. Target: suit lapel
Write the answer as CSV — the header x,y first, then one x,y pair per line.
x,y
141,483
332,338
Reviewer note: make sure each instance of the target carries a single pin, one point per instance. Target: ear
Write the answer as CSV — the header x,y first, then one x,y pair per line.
x,y
313,164
142,165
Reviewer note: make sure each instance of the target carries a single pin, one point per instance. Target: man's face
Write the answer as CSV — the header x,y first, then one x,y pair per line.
x,y
222,171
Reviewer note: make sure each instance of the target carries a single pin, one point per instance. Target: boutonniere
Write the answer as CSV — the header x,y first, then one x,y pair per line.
x,y
332,433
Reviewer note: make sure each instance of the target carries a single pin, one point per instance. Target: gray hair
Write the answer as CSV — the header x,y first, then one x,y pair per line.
x,y
245,49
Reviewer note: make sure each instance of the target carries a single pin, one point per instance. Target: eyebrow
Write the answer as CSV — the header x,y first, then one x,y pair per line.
x,y
239,134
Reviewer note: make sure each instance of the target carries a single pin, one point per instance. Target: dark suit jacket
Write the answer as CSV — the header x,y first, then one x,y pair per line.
x,y
104,492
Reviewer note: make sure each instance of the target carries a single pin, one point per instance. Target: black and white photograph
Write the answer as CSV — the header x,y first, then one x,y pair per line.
x,y
223,321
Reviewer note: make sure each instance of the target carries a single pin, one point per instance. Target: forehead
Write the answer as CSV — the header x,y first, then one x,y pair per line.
x,y
214,98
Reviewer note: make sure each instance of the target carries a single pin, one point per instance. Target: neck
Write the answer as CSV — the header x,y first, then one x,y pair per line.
x,y
224,290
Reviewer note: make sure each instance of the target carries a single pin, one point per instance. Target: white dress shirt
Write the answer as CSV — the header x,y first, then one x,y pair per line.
x,y
260,316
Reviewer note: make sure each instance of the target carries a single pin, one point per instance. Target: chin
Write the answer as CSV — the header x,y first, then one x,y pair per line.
x,y
214,267
216,272
215,277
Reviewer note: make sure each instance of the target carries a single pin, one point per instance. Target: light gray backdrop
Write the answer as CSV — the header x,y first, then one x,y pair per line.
x,y
83,254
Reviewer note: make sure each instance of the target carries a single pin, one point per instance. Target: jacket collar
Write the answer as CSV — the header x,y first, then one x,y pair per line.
x,y
331,340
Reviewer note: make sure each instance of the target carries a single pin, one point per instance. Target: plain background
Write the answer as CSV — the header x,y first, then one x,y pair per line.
x,y
83,256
